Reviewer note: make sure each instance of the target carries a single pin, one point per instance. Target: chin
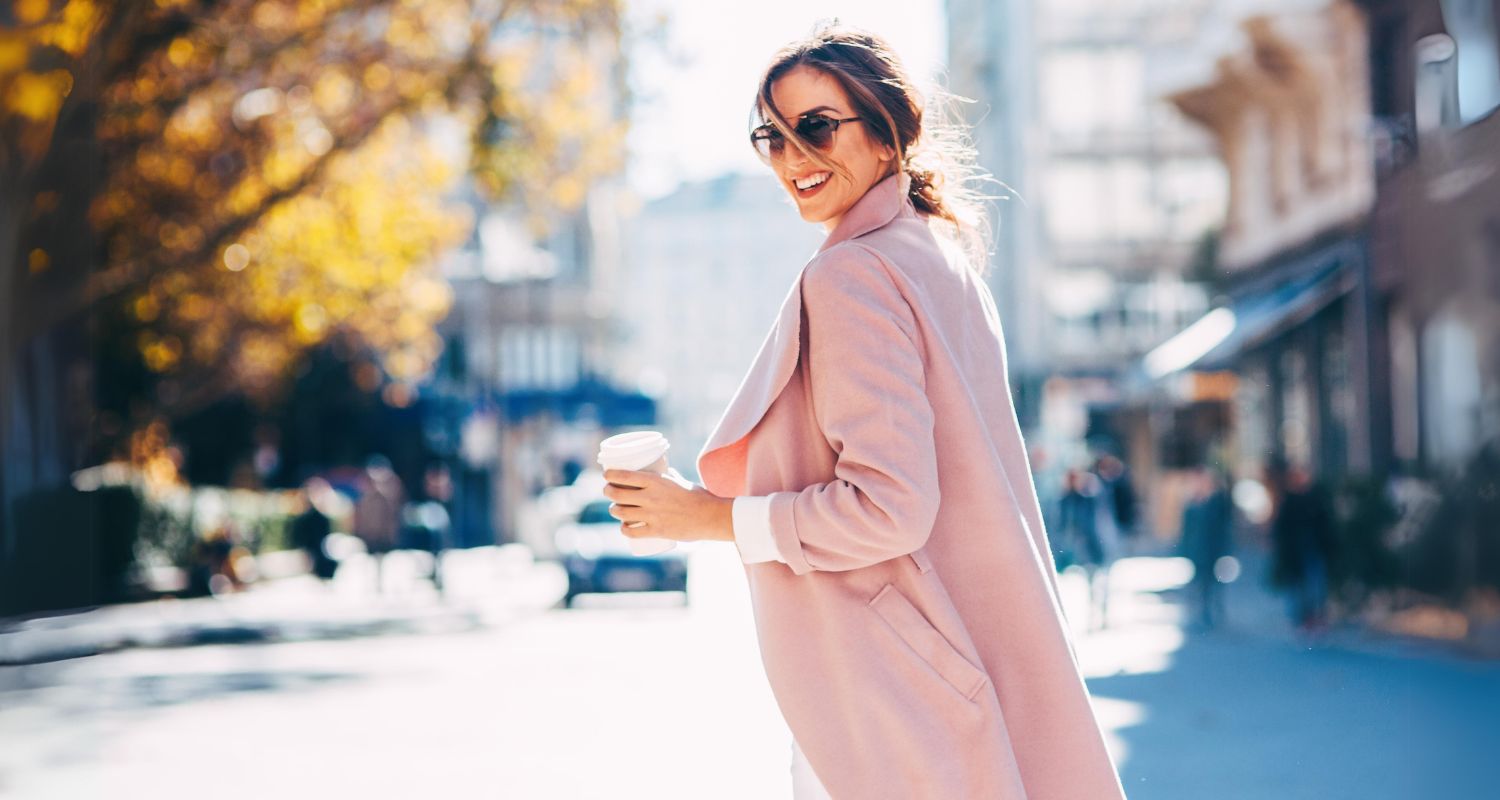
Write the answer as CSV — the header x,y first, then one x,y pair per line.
x,y
816,219
810,213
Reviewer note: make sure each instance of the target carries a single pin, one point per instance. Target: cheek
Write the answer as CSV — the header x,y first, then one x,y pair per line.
x,y
863,163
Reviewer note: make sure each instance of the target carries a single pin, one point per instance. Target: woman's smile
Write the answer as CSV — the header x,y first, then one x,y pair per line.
x,y
812,184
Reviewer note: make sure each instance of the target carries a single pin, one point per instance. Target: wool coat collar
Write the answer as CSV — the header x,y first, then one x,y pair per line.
x,y
721,462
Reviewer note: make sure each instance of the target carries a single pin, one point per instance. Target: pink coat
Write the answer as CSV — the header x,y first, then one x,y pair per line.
x,y
914,639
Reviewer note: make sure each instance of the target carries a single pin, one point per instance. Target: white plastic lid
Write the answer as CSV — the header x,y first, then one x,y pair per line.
x,y
632,450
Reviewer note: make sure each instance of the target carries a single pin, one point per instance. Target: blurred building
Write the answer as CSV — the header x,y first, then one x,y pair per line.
x,y
1435,229
1362,242
992,59
1118,193
706,269
1287,103
1103,250
527,385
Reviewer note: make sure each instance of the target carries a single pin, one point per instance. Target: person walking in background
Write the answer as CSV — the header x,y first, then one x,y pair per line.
x,y
377,512
1302,535
1115,476
312,527
1084,522
1207,536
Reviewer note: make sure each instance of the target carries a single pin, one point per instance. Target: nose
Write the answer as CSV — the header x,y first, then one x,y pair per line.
x,y
793,159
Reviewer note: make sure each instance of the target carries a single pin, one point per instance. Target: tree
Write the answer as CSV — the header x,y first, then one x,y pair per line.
x,y
196,191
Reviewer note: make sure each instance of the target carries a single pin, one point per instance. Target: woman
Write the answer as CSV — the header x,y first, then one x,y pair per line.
x,y
871,473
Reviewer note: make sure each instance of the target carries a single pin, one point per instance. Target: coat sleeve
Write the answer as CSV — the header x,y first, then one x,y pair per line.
x,y
867,386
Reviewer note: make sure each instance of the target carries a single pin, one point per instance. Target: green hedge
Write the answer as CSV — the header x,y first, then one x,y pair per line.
x,y
78,548
1443,545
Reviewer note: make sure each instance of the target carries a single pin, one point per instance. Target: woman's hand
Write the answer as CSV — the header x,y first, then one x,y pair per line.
x,y
668,509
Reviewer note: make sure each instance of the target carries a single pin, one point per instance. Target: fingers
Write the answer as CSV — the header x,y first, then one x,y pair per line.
x,y
631,478
627,514
633,529
625,496
617,494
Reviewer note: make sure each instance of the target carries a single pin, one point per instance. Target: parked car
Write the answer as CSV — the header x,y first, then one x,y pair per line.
x,y
598,558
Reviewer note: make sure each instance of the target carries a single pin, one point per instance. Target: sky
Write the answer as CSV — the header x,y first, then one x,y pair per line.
x,y
693,91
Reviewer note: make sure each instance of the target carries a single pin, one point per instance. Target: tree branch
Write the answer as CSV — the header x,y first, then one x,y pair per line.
x,y
118,279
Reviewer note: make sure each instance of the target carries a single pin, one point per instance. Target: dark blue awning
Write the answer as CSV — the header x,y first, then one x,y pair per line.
x,y
610,406
1220,337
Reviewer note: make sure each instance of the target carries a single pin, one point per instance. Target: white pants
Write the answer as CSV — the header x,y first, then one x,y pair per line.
x,y
805,784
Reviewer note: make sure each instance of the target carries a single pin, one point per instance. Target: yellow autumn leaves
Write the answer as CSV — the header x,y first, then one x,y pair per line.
x,y
272,176
361,253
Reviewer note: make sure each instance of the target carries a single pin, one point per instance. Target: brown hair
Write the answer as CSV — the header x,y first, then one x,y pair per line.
x,y
938,157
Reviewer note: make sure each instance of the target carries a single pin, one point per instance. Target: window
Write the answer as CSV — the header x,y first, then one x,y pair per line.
x,y
1195,195
1252,431
1101,200
1086,91
1296,412
1471,23
1451,394
1340,391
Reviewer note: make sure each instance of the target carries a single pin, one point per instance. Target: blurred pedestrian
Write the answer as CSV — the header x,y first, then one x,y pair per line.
x,y
1084,532
210,569
220,562
1120,492
1207,536
430,521
377,512
1302,536
312,527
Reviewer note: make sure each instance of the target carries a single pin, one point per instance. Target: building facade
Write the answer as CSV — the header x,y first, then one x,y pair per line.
x,y
1362,243
530,378
1117,200
1288,108
1435,229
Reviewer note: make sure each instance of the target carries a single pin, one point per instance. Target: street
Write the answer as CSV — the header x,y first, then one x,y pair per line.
x,y
635,696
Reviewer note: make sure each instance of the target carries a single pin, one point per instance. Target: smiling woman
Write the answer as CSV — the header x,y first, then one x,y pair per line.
x,y
860,442
871,473
852,115
825,170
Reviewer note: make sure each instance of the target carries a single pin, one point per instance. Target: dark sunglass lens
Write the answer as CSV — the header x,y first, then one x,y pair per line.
x,y
818,131
770,144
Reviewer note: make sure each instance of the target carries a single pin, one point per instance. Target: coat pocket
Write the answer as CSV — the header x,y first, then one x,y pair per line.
x,y
929,643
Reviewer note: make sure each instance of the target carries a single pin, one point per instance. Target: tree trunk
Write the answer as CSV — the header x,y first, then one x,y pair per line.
x,y
10,461
45,406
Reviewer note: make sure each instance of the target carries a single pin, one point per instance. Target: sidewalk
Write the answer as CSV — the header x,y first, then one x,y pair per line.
x,y
488,586
1256,609
483,586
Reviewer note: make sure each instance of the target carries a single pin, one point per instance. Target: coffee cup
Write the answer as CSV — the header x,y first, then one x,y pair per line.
x,y
643,451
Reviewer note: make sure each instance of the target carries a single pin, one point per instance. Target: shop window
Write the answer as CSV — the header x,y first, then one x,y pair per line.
x,y
1471,23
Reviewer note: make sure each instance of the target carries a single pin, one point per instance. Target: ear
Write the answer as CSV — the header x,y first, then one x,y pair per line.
x,y
887,152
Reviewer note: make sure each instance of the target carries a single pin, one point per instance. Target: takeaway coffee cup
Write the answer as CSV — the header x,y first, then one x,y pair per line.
x,y
644,451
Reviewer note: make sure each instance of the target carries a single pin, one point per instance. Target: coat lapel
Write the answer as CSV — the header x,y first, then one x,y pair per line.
x,y
721,462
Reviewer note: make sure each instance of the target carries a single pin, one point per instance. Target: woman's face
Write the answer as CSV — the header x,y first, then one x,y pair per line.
x,y
805,91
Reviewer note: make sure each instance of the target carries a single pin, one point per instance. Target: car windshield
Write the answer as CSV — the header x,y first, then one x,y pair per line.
x,y
595,512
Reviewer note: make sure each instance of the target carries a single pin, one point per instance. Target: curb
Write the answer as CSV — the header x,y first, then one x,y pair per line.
x,y
284,610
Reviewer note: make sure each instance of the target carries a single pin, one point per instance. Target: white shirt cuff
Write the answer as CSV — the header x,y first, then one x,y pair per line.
x,y
752,529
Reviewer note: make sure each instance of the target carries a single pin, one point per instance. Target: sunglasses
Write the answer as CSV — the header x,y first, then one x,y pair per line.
x,y
815,129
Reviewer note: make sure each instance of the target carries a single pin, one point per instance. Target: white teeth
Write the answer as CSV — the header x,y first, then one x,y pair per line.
x,y
807,183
